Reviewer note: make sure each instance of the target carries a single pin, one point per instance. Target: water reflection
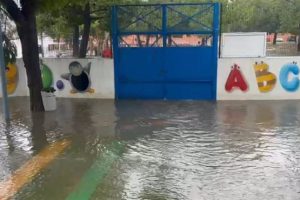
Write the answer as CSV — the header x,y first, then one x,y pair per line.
x,y
38,132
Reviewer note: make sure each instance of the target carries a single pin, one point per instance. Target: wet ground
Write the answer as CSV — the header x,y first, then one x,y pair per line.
x,y
152,150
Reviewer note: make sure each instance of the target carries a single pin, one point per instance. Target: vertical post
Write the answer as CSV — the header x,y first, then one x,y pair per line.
x,y
164,24
42,44
216,32
3,79
164,49
115,47
221,30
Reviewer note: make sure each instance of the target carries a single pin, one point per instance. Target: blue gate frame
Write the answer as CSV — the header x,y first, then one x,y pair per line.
x,y
162,69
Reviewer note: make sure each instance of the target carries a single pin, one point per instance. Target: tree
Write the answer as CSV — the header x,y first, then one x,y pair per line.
x,y
23,13
266,17
24,17
75,17
54,25
290,18
62,22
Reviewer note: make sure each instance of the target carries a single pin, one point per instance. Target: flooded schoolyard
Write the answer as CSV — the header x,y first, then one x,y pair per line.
x,y
151,150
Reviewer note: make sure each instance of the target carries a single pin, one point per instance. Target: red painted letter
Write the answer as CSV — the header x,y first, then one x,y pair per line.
x,y
236,80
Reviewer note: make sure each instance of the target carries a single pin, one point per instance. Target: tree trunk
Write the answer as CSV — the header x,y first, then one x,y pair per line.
x,y
58,42
139,41
274,38
29,42
42,45
147,40
298,43
91,49
86,31
76,41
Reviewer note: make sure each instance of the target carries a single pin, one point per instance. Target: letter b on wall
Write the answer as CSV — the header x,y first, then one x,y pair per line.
x,y
265,80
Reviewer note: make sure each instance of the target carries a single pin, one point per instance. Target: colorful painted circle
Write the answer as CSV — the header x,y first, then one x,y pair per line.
x,y
60,85
12,77
47,76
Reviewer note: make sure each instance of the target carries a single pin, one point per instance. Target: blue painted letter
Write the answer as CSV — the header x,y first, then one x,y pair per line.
x,y
293,84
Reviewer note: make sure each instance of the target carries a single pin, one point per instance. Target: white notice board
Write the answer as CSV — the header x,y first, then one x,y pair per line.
x,y
243,44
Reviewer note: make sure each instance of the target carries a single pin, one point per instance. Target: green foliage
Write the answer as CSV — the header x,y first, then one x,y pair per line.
x,y
9,50
57,18
290,16
55,27
53,5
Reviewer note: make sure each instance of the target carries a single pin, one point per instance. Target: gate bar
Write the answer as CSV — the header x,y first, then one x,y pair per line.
x,y
216,27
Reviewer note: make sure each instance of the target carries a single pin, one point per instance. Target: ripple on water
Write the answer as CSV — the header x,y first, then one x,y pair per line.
x,y
174,150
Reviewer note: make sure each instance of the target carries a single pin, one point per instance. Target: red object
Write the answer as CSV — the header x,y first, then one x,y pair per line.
x,y
236,80
107,53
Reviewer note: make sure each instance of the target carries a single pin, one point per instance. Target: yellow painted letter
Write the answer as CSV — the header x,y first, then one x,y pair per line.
x,y
266,80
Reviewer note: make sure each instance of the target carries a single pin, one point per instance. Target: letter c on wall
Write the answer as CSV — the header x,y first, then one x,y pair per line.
x,y
289,85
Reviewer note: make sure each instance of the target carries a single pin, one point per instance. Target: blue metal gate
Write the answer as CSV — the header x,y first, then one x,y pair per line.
x,y
166,51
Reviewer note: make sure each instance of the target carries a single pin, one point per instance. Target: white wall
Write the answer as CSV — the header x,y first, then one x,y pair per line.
x,y
247,69
102,78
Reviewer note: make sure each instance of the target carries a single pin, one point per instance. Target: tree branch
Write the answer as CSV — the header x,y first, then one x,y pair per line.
x,y
103,9
13,10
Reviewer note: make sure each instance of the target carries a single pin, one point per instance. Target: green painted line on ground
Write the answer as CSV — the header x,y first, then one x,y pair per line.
x,y
95,174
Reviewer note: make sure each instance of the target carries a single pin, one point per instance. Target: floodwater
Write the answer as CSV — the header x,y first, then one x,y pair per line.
x,y
154,150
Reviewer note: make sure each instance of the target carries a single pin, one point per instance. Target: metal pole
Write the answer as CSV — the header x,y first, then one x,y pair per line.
x,y
216,32
164,25
3,79
115,46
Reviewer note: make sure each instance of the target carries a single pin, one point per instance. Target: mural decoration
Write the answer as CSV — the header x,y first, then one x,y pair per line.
x,y
12,77
289,83
47,75
79,77
60,85
266,80
236,80
12,74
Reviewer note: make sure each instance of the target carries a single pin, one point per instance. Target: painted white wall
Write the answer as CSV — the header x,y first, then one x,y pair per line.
x,y
247,69
102,77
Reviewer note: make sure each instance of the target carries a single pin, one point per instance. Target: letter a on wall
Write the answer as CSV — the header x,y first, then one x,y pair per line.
x,y
236,80
266,80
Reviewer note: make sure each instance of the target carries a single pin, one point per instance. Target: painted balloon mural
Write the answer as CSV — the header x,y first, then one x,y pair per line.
x,y
60,85
12,74
79,78
12,77
47,76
